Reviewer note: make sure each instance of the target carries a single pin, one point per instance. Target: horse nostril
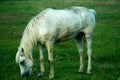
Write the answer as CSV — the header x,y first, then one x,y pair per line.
x,y
26,74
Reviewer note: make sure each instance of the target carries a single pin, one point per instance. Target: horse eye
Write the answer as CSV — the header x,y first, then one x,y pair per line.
x,y
22,62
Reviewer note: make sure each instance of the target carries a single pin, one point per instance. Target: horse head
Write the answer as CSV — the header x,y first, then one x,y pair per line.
x,y
25,63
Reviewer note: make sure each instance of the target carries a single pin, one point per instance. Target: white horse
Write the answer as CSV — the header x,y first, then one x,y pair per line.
x,y
52,26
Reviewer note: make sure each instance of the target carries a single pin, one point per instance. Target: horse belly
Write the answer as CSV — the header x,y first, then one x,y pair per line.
x,y
67,34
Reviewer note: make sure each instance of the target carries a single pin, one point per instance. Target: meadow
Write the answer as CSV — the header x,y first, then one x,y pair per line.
x,y
14,16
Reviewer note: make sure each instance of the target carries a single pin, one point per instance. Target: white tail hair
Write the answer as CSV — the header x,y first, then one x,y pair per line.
x,y
93,11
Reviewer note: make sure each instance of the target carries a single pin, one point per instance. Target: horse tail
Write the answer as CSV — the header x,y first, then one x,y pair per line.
x,y
93,16
93,11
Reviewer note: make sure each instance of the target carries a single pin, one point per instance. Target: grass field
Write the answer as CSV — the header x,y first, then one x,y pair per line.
x,y
14,16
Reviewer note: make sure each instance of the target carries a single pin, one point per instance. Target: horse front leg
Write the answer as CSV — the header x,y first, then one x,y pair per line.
x,y
89,52
41,58
50,45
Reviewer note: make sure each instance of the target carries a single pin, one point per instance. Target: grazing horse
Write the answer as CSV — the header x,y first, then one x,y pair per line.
x,y
52,26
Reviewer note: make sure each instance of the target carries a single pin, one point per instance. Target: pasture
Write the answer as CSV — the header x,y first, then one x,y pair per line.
x,y
14,16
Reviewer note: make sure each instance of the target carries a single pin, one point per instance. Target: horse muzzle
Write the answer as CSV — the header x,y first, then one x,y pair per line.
x,y
26,74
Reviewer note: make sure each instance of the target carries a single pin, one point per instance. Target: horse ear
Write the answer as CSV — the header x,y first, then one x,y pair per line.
x,y
22,50
19,54
17,57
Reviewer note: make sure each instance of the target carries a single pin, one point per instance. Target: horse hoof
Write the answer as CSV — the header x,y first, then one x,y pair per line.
x,y
40,74
51,76
81,72
88,72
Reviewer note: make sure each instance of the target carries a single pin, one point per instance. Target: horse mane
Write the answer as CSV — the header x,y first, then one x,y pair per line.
x,y
29,37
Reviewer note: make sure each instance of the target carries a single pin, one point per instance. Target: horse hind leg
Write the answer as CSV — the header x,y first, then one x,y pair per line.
x,y
80,50
89,52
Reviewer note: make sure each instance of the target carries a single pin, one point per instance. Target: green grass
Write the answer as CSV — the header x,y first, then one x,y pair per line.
x,y
14,16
